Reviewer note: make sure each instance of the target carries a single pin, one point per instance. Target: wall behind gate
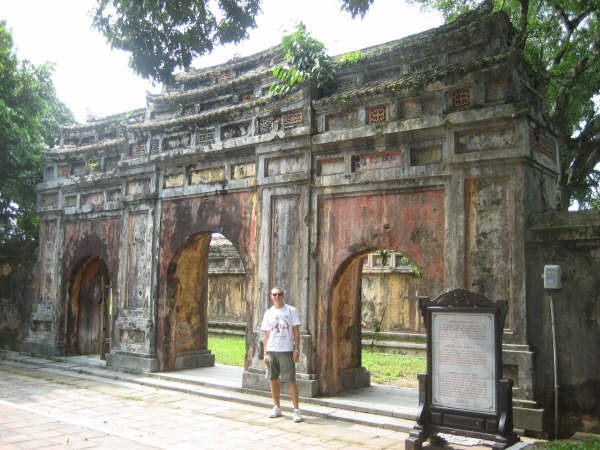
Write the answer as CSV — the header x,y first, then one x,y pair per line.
x,y
18,272
571,240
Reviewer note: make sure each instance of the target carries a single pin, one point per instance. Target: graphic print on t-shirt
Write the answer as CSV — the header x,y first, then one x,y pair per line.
x,y
279,322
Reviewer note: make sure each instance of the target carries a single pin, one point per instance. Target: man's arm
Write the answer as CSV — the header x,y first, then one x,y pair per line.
x,y
296,356
265,339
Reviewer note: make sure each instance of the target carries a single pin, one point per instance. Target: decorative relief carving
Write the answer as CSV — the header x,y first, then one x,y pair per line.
x,y
247,96
461,98
330,166
188,110
49,200
206,176
137,148
293,118
137,251
174,180
114,195
224,76
137,187
377,114
264,125
70,201
48,248
177,141
291,164
345,119
495,91
374,161
240,171
541,143
486,139
425,64
132,336
205,136
345,84
155,145
425,155
93,199
234,131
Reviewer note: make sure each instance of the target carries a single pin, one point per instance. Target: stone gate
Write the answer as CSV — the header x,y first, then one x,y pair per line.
x,y
434,146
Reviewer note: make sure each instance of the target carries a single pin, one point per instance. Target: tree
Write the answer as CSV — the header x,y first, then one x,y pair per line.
x,y
560,40
163,35
30,119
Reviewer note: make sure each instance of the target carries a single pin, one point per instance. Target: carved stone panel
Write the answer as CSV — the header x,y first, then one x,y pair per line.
x,y
138,187
205,176
330,166
280,166
286,246
47,257
488,252
241,171
485,139
174,180
137,278
375,161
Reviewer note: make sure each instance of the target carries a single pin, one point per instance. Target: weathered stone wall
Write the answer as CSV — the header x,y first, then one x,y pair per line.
x,y
18,276
571,240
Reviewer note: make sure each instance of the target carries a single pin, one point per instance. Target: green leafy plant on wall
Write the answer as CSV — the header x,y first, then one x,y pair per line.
x,y
351,57
306,59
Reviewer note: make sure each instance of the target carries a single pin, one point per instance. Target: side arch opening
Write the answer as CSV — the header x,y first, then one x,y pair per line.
x,y
90,306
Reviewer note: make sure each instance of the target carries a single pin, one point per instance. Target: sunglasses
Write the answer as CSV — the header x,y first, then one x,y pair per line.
x,y
277,294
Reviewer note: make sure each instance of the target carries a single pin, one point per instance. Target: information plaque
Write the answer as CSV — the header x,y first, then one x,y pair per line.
x,y
463,361
462,392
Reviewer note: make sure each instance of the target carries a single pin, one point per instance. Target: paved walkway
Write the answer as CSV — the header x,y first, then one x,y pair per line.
x,y
78,403
42,409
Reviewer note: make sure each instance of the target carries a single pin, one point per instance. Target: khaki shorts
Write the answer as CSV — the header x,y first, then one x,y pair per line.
x,y
281,366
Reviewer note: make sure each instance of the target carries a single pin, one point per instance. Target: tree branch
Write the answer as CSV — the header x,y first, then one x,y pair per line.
x,y
571,26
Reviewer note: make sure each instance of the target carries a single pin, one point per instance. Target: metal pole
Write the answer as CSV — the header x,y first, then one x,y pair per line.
x,y
555,351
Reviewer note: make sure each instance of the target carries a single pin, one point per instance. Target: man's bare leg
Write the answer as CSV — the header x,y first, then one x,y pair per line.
x,y
293,387
275,391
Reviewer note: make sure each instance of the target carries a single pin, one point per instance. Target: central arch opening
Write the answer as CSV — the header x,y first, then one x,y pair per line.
x,y
377,334
203,283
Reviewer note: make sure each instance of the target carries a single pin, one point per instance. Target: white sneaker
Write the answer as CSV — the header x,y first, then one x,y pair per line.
x,y
275,412
297,416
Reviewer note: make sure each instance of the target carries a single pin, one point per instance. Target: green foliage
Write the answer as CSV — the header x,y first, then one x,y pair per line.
x,y
560,40
30,119
592,443
228,350
306,59
163,35
351,57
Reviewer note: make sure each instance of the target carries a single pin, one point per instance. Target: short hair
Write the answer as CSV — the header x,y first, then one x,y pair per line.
x,y
276,287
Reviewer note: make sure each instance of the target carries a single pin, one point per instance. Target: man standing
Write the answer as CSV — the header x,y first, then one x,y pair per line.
x,y
281,341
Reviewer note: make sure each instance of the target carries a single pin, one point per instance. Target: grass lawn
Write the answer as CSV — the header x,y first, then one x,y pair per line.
x,y
396,370
592,443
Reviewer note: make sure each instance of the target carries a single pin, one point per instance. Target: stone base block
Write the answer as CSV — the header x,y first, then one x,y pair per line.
x,y
254,379
356,377
40,348
202,358
530,420
131,363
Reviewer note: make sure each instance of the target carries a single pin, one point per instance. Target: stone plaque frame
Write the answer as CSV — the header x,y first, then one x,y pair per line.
x,y
489,419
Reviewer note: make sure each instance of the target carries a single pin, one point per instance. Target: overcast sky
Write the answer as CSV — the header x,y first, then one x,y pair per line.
x,y
90,78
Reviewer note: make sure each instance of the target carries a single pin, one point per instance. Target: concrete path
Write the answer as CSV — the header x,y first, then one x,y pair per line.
x,y
80,404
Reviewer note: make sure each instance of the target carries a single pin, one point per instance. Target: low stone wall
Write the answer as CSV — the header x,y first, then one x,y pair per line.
x,y
17,284
571,240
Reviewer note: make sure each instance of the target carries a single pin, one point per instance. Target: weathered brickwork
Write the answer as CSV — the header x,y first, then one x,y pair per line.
x,y
423,148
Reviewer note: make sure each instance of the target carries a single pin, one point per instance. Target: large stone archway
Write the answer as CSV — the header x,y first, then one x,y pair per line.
x,y
412,222
423,147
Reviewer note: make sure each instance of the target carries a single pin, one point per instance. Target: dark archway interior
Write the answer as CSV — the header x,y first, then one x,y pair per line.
x,y
89,320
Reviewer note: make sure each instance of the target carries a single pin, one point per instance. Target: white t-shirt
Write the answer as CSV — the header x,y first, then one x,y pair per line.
x,y
280,323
